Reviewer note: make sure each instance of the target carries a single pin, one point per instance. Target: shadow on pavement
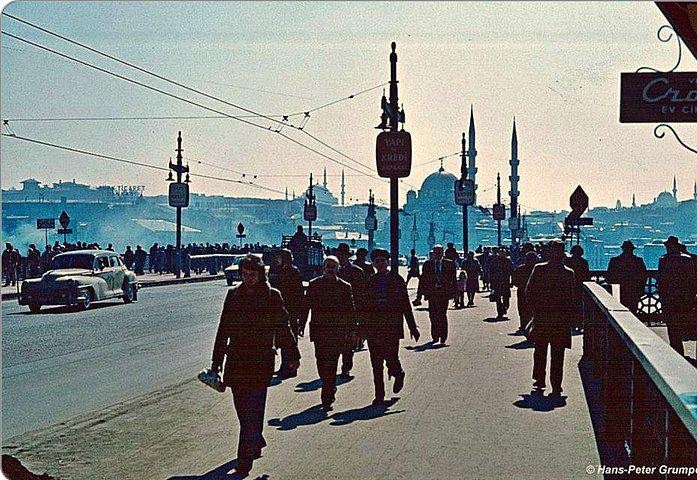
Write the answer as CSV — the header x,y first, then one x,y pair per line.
x,y
496,319
317,384
223,472
426,346
522,345
537,401
310,416
369,412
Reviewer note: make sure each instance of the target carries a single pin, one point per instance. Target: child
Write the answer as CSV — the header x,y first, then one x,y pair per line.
x,y
461,283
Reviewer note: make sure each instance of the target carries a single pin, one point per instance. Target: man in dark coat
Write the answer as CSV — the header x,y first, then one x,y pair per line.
x,y
361,256
551,296
356,278
629,272
46,258
473,270
521,275
677,287
414,268
451,254
332,326
438,283
386,308
33,262
10,260
129,257
253,321
139,257
500,271
290,284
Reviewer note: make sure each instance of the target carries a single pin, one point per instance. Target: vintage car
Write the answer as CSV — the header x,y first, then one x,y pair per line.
x,y
232,272
79,278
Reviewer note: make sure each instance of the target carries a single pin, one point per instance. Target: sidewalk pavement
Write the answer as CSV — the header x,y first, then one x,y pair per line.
x,y
466,412
147,280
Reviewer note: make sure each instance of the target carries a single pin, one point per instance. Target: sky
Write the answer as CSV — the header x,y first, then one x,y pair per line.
x,y
553,66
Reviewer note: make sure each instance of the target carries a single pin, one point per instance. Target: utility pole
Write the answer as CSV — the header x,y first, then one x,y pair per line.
x,y
371,221
414,234
310,211
394,185
180,169
498,201
463,177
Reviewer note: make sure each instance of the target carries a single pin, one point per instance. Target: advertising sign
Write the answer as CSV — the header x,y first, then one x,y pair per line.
x,y
658,97
178,194
393,154
45,223
464,192
499,211
310,212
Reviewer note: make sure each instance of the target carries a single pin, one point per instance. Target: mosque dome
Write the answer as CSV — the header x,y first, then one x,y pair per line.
x,y
665,199
438,183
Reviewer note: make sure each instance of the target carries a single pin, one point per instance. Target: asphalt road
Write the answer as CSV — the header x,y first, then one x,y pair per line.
x,y
61,362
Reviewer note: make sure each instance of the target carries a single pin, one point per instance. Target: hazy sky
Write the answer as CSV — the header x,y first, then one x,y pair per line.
x,y
554,66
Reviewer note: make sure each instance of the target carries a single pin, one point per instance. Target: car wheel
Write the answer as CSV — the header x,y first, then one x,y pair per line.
x,y
86,301
34,307
128,292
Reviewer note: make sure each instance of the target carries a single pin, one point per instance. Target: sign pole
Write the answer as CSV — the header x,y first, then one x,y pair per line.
x,y
498,202
394,185
179,209
46,235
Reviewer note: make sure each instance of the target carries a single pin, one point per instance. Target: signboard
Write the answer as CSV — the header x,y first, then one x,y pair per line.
x,y
499,211
513,223
178,194
393,154
578,201
310,212
64,219
658,97
464,192
240,231
65,231
45,223
578,221
371,223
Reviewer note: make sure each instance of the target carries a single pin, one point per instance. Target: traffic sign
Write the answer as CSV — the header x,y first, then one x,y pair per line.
x,y
578,202
310,212
393,154
45,223
499,211
578,221
464,192
371,223
240,230
178,194
64,219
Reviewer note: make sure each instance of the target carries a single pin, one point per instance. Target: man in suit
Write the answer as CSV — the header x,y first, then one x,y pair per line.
x,y
356,278
500,271
439,285
289,283
386,308
551,297
629,272
333,324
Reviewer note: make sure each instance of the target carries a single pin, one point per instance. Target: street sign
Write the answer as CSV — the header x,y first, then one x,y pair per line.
x,y
310,212
393,154
578,221
464,192
499,211
240,230
65,231
658,97
64,219
371,223
178,194
45,223
578,202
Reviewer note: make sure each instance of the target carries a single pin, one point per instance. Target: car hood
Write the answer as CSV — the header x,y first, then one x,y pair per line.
x,y
53,275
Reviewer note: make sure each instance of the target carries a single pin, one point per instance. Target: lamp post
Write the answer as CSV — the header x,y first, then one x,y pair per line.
x,y
178,198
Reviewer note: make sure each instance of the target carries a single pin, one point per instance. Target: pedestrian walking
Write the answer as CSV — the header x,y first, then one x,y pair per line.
x,y
386,308
500,271
139,257
129,257
361,256
579,265
413,271
439,284
629,272
520,278
10,262
289,283
33,262
253,321
332,326
473,271
46,257
461,286
152,258
551,296
356,278
677,288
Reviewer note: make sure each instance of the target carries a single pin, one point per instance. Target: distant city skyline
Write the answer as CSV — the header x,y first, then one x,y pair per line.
x,y
554,66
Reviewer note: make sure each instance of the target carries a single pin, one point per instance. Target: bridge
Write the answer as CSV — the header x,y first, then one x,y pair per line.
x,y
467,411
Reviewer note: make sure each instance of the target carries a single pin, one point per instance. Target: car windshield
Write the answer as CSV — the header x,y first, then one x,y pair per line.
x,y
61,262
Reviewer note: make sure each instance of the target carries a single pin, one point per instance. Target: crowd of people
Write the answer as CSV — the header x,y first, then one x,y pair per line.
x,y
358,301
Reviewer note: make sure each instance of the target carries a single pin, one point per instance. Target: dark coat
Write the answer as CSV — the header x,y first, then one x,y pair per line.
x,y
290,284
368,268
552,299
520,277
252,323
435,287
500,271
473,271
333,313
629,272
386,307
356,278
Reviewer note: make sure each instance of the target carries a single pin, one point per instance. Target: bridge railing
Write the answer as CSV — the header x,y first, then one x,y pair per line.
x,y
647,390
649,308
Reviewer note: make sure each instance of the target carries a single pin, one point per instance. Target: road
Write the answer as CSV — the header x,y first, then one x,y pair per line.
x,y
60,362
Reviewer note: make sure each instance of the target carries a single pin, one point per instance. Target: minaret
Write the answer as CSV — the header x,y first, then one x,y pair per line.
x,y
675,188
633,200
343,189
325,178
472,155
514,185
286,194
694,192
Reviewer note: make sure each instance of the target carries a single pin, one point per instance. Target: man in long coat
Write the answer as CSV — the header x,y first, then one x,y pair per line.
x,y
629,272
500,270
356,278
289,283
386,307
521,275
438,284
551,296
332,326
